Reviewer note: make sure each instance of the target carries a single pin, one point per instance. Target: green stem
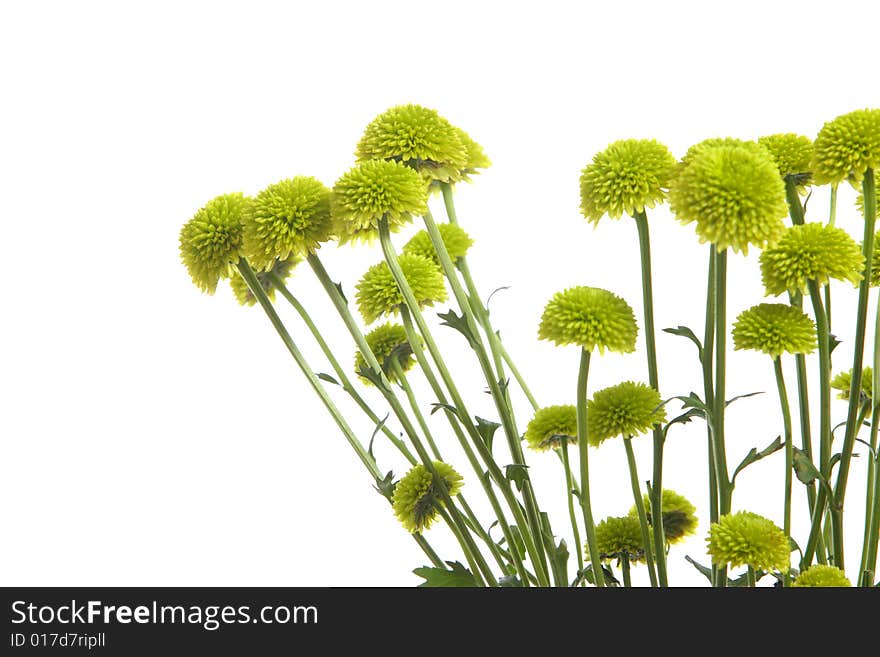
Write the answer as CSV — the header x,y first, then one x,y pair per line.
x,y
257,290
721,471
868,193
789,450
624,569
641,220
640,509
583,451
337,368
508,422
706,361
460,536
800,361
527,528
750,577
872,510
569,498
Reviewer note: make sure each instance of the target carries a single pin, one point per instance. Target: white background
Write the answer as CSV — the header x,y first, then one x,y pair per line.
x,y
153,435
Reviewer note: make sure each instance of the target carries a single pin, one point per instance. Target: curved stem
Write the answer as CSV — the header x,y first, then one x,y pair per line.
x,y
870,215
789,451
640,509
583,451
569,498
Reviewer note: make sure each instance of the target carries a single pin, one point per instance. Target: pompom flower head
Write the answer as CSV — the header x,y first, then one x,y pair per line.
x,y
747,539
847,147
372,191
419,138
627,177
620,536
243,294
774,329
378,293
810,252
591,318
476,156
679,516
792,154
455,239
551,426
843,380
733,194
388,342
416,499
210,242
823,576
626,409
289,218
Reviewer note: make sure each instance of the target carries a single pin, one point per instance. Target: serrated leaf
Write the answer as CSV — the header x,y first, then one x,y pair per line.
x,y
370,375
745,396
457,577
754,455
685,332
460,324
486,429
385,487
684,418
517,473
376,433
326,377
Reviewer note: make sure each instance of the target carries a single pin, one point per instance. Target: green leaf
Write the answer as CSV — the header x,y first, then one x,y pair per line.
x,y
750,394
385,487
517,473
376,433
685,332
326,377
486,429
559,560
510,581
706,572
373,377
446,407
587,574
496,290
341,293
691,401
754,455
804,469
457,577
832,343
460,324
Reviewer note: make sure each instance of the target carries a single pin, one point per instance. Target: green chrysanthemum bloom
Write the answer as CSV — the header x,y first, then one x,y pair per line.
x,y
378,294
843,380
289,218
822,576
734,195
387,342
774,329
210,242
626,409
747,539
419,138
476,156
793,154
455,239
619,536
627,177
591,318
416,499
550,426
810,252
847,147
679,516
372,191
712,142
242,292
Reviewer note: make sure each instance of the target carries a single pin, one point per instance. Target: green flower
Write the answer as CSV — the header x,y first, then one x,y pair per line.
x,y
378,294
476,156
847,147
626,409
774,329
734,195
387,342
616,537
843,381
289,218
455,239
822,576
243,294
627,177
372,191
811,252
792,154
679,516
210,242
419,138
550,426
591,318
747,539
416,500
712,142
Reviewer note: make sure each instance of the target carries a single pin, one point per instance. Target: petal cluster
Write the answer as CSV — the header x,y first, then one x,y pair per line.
x,y
416,500
810,252
847,147
378,293
210,242
821,575
626,409
620,536
243,294
552,425
774,329
591,318
747,539
792,154
388,342
679,516
455,239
